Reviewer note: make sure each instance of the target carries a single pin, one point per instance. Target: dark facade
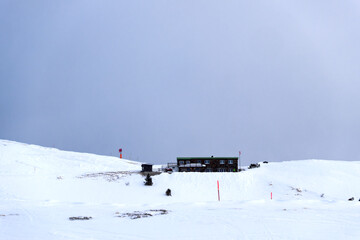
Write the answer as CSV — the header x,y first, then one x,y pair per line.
x,y
207,164
146,167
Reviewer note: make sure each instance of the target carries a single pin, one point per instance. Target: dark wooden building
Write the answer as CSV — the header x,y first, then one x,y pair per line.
x,y
207,164
146,167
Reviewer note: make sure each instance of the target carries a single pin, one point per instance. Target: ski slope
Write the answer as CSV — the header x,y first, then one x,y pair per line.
x,y
41,188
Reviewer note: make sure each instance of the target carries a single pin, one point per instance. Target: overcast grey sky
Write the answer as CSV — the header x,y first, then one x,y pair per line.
x,y
278,80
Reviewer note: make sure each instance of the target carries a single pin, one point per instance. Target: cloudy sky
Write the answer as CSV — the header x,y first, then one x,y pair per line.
x,y
277,80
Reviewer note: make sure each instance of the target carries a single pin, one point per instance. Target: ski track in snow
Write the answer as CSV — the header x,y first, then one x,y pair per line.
x,y
41,188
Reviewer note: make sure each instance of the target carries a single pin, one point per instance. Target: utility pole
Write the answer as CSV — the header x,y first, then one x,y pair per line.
x,y
240,160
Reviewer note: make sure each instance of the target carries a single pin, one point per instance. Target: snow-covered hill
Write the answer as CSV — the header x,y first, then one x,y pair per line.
x,y
24,159
40,188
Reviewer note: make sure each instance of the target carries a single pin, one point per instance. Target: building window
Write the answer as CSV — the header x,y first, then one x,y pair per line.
x,y
181,162
198,161
221,170
207,161
187,162
208,170
222,161
230,162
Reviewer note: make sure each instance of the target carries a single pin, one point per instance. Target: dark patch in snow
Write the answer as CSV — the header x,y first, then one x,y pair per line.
x,y
144,214
254,165
79,218
298,191
11,214
108,176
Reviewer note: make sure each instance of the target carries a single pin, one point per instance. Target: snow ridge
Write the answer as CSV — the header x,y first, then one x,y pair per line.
x,y
42,188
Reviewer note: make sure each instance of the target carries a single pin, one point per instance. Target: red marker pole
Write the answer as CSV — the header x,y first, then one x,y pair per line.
x,y
120,151
271,196
218,190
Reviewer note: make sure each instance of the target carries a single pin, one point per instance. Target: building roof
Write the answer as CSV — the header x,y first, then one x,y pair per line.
x,y
207,158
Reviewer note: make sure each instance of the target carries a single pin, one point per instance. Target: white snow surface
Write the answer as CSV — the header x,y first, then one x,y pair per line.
x,y
41,188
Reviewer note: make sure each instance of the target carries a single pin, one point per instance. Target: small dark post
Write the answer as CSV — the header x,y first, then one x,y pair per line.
x,y
168,192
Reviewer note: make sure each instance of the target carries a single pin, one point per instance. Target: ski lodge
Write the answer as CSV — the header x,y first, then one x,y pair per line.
x,y
207,164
